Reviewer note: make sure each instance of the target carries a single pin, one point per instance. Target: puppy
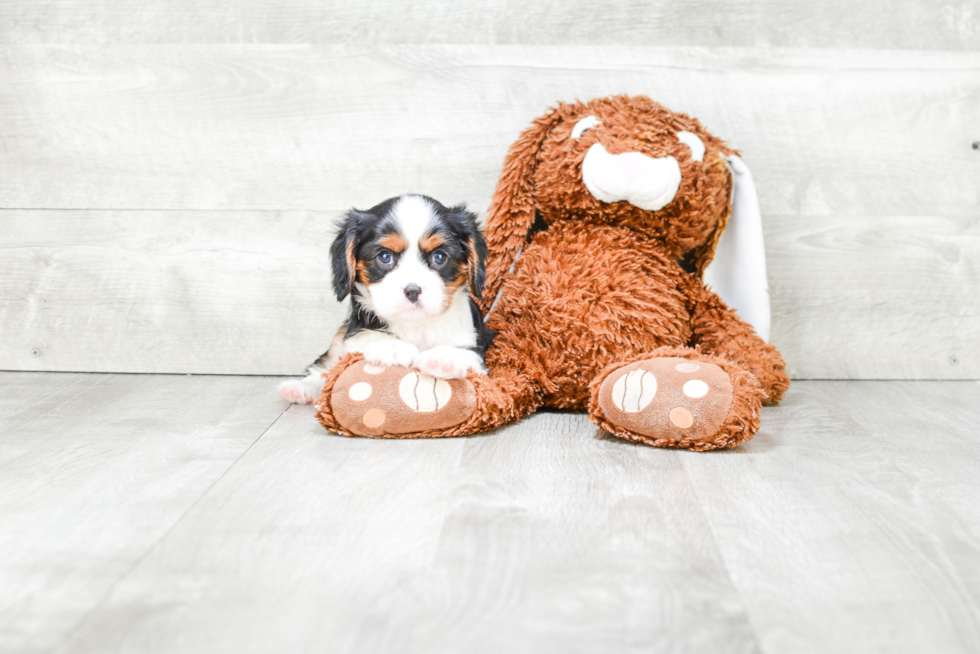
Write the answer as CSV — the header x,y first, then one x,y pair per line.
x,y
412,268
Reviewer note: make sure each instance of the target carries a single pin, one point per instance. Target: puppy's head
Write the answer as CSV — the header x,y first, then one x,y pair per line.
x,y
408,257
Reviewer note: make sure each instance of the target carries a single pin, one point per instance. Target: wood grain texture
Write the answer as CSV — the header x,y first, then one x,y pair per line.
x,y
94,471
781,23
249,293
197,127
158,291
863,159
537,538
876,297
849,524
318,543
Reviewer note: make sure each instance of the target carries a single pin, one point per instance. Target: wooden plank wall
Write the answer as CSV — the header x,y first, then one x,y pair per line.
x,y
170,171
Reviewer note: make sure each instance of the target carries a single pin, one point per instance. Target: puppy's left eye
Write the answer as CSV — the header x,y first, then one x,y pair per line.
x,y
439,258
385,258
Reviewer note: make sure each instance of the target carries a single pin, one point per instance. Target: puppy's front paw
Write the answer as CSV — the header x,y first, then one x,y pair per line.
x,y
447,362
391,353
297,391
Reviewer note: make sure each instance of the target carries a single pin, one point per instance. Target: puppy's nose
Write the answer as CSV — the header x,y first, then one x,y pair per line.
x,y
412,292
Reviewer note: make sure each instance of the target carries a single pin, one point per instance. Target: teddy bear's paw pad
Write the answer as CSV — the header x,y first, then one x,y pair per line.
x,y
667,398
370,400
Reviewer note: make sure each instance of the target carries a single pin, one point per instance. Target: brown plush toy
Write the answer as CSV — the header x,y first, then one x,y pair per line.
x,y
605,218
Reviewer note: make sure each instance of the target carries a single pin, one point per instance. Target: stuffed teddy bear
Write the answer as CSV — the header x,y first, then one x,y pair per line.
x,y
605,218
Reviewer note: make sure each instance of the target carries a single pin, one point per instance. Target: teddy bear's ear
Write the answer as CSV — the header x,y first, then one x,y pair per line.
x,y
512,210
738,271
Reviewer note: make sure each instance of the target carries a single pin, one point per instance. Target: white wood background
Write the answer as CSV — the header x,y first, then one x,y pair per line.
x,y
170,171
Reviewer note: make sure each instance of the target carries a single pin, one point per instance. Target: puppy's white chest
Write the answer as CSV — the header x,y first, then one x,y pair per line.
x,y
453,327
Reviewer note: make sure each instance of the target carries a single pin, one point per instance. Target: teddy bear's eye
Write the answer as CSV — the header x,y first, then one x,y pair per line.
x,y
583,125
691,140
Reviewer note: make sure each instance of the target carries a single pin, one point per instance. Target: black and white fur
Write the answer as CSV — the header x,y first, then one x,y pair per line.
x,y
412,268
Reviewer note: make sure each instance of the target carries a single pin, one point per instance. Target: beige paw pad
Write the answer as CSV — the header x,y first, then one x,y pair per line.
x,y
424,393
681,417
634,391
687,366
373,418
695,388
360,391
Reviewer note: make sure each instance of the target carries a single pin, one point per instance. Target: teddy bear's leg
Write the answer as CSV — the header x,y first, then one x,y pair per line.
x,y
677,397
397,402
718,331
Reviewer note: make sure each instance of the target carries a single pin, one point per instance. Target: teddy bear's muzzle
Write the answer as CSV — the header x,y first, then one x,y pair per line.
x,y
646,182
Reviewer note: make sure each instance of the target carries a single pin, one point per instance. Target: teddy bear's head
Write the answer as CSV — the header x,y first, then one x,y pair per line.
x,y
623,161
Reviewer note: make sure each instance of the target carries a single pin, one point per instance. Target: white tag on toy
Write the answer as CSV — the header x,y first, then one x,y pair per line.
x,y
738,271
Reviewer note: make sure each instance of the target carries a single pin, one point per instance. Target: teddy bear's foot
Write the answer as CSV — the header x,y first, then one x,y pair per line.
x,y
688,402
396,402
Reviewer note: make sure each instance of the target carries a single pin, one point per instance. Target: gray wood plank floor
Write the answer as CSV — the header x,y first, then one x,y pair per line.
x,y
144,513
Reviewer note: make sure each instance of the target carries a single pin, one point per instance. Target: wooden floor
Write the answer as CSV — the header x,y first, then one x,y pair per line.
x,y
145,513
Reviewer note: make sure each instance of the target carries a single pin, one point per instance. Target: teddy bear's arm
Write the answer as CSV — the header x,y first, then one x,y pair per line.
x,y
718,331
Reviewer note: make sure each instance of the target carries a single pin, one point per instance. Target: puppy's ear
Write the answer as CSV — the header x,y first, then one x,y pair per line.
x,y
342,254
476,249
478,265
512,210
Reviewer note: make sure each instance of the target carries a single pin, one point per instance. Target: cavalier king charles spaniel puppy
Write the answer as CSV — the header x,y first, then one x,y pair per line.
x,y
412,268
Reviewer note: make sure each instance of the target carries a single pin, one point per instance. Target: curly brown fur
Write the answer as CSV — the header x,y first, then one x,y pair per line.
x,y
542,176
717,329
570,320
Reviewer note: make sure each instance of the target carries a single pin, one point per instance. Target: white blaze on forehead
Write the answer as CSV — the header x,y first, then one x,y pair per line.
x,y
414,217
691,140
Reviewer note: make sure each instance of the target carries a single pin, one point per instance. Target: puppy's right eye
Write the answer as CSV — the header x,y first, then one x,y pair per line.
x,y
385,258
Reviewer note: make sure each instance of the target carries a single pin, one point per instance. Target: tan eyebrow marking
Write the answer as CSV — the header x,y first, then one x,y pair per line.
x,y
430,243
394,242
